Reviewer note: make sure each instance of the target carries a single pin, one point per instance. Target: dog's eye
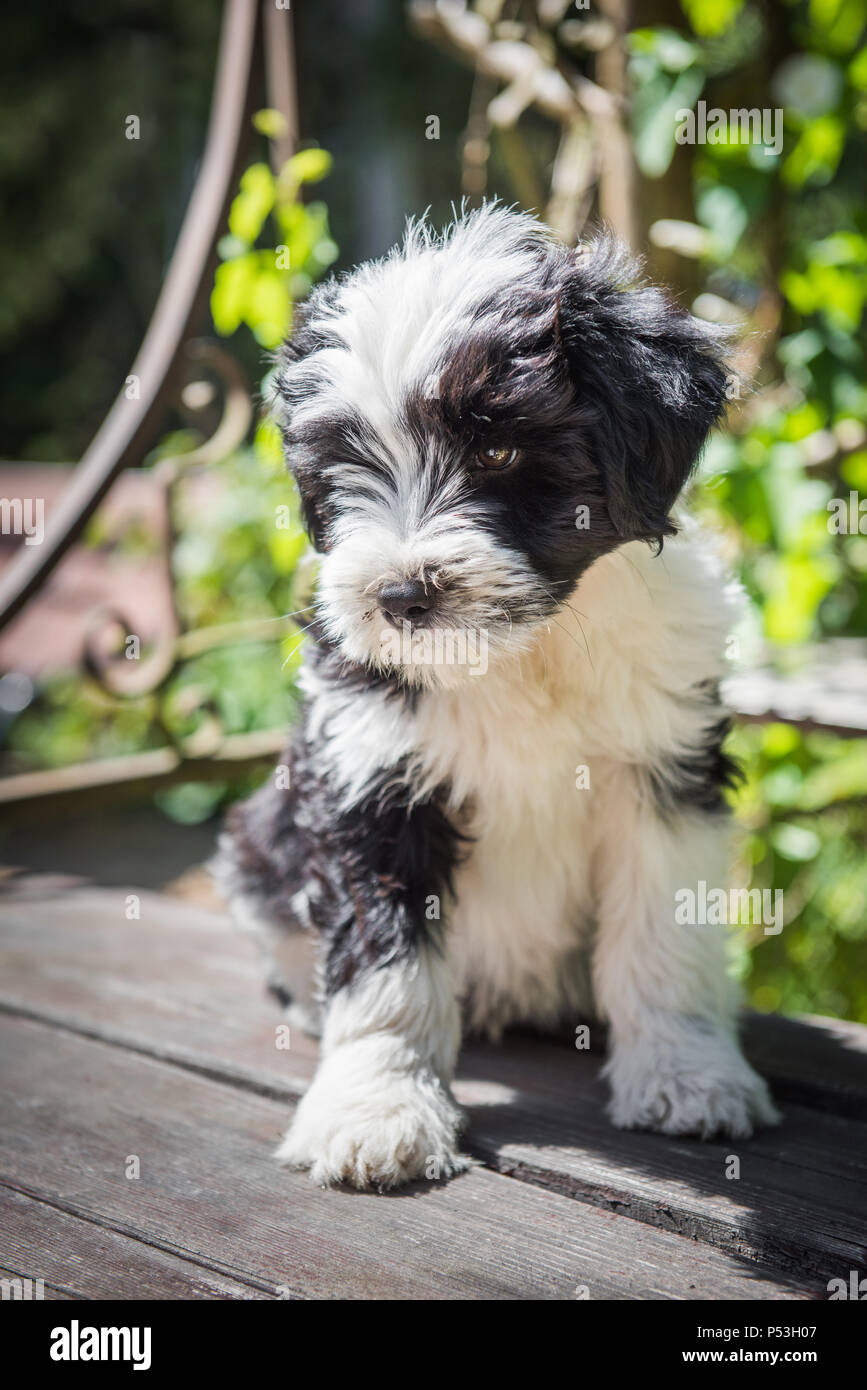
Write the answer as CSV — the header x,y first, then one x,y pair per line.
x,y
495,458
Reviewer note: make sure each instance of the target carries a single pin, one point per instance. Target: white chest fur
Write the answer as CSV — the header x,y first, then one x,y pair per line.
x,y
525,750
514,756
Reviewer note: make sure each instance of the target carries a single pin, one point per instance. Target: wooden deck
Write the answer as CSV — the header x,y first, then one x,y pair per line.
x,y
154,1038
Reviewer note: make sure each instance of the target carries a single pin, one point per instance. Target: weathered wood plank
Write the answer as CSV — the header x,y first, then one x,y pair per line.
x,y
800,1202
85,1259
50,1294
75,958
827,690
817,1062
74,1109
179,984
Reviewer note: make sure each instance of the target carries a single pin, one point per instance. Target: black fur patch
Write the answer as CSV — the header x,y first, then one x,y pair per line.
x,y
698,781
367,873
507,385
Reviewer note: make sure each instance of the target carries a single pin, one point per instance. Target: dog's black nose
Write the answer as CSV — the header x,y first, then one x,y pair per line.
x,y
405,601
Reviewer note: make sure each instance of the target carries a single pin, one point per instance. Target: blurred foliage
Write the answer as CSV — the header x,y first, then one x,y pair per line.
x,y
779,243
258,286
773,241
235,561
804,805
242,553
89,216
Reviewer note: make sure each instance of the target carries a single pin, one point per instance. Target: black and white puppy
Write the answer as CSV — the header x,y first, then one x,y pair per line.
x,y
509,759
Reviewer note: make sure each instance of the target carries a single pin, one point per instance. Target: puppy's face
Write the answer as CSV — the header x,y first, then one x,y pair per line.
x,y
472,422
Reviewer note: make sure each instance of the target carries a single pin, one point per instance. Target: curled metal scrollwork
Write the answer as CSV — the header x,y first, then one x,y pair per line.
x,y
108,659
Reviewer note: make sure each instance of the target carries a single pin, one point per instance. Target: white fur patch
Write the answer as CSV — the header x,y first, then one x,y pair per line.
x,y
607,686
379,1111
685,1076
428,292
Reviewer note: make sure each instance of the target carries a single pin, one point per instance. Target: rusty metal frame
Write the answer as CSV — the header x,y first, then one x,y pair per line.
x,y
26,798
255,50
132,424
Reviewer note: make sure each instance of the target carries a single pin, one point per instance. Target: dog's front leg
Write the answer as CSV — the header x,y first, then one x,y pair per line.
x,y
379,1111
674,1064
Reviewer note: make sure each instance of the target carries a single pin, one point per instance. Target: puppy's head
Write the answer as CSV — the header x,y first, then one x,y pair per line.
x,y
475,419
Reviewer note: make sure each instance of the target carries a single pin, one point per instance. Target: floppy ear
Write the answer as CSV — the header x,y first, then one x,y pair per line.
x,y
650,378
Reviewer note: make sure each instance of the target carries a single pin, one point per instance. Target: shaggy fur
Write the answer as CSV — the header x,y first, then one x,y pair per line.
x,y
510,754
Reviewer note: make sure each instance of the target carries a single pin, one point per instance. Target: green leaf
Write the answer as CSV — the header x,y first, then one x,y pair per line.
x,y
253,203
269,308
857,70
800,348
269,445
837,780
271,122
841,248
710,18
853,470
307,166
233,282
286,549
838,292
721,209
840,22
795,842
817,153
797,584
190,803
666,48
657,109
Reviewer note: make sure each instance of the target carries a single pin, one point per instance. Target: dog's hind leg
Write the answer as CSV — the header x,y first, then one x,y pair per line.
x,y
661,978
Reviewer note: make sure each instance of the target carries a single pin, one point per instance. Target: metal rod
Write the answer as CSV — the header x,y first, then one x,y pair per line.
x,y
280,79
125,430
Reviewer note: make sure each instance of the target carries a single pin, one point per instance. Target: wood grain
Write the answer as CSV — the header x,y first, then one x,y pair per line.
x,y
210,1193
72,956
86,1259
180,990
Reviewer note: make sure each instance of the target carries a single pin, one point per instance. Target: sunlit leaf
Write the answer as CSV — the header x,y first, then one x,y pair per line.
x,y
840,22
233,282
307,166
709,18
658,109
817,152
269,310
270,122
795,842
253,203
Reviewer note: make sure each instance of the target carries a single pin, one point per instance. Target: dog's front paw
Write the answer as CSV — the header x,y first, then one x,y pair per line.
x,y
688,1080
375,1131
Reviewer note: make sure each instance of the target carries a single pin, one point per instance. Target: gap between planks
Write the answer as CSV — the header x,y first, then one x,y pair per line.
x,y
469,1238
693,1221
177,935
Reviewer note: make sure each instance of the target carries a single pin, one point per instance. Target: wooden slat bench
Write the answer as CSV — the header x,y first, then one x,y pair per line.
x,y
154,1038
